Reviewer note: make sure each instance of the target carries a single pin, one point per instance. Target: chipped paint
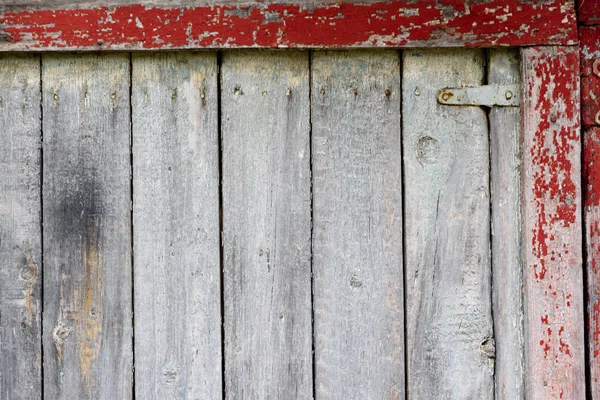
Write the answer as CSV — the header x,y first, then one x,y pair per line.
x,y
588,12
590,105
275,25
552,227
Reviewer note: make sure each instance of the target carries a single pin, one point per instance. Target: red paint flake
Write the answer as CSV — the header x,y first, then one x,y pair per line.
x,y
395,23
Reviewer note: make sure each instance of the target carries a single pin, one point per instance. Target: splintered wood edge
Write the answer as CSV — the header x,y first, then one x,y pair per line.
x,y
169,25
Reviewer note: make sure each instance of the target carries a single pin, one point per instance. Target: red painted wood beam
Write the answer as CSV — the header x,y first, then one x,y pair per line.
x,y
401,23
552,230
590,117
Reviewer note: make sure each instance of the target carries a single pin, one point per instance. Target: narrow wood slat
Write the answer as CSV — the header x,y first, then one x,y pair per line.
x,y
87,227
358,284
552,232
176,226
507,260
266,225
447,209
20,228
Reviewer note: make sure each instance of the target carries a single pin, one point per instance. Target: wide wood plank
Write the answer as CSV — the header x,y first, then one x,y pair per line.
x,y
87,227
20,228
507,260
447,209
176,226
182,24
552,231
357,189
266,225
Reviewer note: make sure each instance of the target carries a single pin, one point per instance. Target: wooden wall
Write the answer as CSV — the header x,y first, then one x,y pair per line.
x,y
259,224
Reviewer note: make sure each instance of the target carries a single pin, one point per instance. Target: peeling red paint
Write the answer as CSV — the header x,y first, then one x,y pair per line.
x,y
381,24
590,105
552,223
588,12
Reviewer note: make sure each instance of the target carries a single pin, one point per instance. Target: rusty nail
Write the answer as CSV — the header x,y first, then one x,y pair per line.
x,y
322,90
387,92
288,92
596,68
100,42
447,95
55,96
553,118
597,118
265,93
113,96
23,325
356,92
508,95
417,92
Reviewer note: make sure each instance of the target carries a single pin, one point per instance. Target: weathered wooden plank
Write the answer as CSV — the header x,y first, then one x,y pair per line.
x,y
588,12
266,225
20,228
507,260
554,325
176,226
590,106
167,25
87,227
447,209
357,209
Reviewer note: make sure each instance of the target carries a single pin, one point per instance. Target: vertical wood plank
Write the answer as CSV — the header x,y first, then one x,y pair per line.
x,y
358,282
507,262
87,227
176,226
590,106
20,228
266,225
447,209
554,325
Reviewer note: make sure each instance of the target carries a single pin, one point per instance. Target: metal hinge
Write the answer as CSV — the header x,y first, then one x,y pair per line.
x,y
487,95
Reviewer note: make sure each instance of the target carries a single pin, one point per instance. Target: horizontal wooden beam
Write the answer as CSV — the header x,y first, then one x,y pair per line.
x,y
402,23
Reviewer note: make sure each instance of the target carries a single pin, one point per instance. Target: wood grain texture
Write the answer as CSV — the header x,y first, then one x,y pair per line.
x,y
406,23
87,227
357,210
590,106
447,209
176,226
507,260
20,228
552,242
266,225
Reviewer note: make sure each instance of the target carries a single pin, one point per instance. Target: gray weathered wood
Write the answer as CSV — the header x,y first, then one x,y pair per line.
x,y
176,226
357,209
20,228
447,209
87,227
507,264
266,225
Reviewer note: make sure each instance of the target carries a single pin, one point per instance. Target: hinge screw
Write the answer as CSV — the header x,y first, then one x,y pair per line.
x,y
508,95
596,68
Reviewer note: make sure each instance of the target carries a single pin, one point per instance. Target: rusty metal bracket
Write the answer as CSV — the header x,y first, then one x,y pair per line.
x,y
487,95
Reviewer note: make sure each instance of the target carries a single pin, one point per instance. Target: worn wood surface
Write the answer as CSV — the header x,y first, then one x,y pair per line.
x,y
266,24
552,234
20,228
590,106
176,226
87,229
507,260
266,225
357,210
447,209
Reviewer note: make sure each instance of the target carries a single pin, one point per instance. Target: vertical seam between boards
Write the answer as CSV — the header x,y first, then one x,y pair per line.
x,y
131,224
221,248
41,154
403,205
312,225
